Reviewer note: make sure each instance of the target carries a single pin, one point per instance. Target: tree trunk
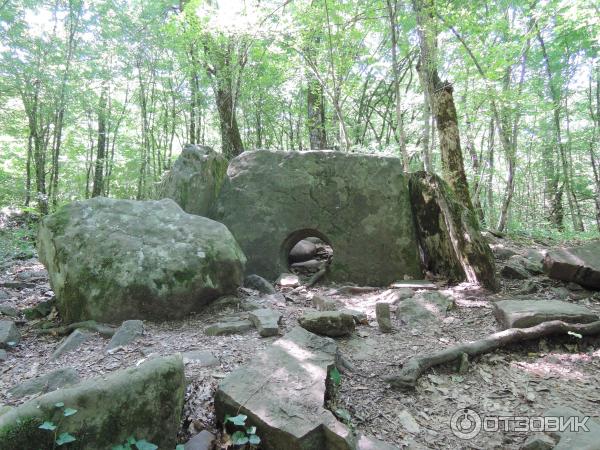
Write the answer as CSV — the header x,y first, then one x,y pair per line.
x,y
316,114
98,187
442,104
230,133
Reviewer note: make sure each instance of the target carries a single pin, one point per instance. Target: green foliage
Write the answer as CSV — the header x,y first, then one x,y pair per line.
x,y
133,443
64,437
245,438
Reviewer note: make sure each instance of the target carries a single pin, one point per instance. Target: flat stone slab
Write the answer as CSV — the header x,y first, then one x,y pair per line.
x,y
202,358
413,284
425,307
9,334
576,438
128,332
528,313
266,321
232,327
51,381
578,264
328,323
282,391
70,343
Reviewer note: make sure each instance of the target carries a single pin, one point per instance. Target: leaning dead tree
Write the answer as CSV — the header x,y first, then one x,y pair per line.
x,y
415,367
449,233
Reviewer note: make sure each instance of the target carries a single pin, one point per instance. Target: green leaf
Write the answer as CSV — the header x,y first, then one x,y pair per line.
x,y
335,376
121,447
143,444
239,438
131,440
343,414
65,438
239,420
253,439
59,404
69,412
251,430
47,426
180,447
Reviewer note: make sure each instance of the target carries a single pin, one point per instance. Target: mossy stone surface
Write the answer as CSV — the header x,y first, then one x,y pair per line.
x,y
144,401
357,203
113,260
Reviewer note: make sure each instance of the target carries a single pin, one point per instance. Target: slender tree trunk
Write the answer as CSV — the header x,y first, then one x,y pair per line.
x,y
98,187
442,104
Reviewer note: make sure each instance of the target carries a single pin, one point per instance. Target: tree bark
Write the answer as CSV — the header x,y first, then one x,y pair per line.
x,y
98,186
442,104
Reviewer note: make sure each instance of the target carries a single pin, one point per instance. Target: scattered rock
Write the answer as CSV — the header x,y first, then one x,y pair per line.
x,y
288,280
9,311
514,271
574,287
393,296
360,318
528,287
40,310
9,334
59,378
502,252
588,439
70,343
4,295
425,307
141,259
328,323
282,391
259,284
324,303
195,179
559,292
538,442
528,313
202,441
266,321
311,265
578,264
337,193
202,358
408,422
384,320
535,255
129,331
463,365
232,327
3,355
145,401
304,250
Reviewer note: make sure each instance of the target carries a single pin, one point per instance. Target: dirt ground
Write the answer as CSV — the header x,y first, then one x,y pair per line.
x,y
519,381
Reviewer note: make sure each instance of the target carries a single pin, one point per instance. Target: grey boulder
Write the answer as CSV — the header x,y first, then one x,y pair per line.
x,y
51,381
195,179
578,264
112,260
528,313
126,333
328,323
9,334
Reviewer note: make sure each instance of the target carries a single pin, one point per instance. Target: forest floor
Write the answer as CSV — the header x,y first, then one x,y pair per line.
x,y
522,380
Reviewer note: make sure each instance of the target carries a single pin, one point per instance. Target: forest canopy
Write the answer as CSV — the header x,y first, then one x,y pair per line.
x,y
98,97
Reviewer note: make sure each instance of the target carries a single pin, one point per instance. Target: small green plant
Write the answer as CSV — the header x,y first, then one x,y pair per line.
x,y
139,444
244,438
62,438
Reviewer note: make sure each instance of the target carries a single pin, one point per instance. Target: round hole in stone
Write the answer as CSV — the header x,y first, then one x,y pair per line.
x,y
305,252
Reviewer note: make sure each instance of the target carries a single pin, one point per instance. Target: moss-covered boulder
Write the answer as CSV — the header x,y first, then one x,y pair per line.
x,y
195,179
144,402
357,203
449,233
112,260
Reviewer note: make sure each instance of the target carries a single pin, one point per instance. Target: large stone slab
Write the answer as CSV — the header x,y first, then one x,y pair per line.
x,y
578,264
195,179
584,434
528,313
283,391
356,203
144,401
113,260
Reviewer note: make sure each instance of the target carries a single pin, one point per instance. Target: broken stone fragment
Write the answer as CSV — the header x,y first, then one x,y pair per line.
x,y
51,381
288,280
266,321
9,334
259,284
384,320
581,434
578,264
528,313
324,303
70,343
202,358
424,307
232,327
328,323
304,250
129,331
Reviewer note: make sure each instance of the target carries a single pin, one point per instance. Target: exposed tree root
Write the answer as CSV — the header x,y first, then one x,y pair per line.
x,y
415,367
91,325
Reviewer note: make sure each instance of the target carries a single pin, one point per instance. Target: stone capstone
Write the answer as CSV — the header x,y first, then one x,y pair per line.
x,y
112,260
